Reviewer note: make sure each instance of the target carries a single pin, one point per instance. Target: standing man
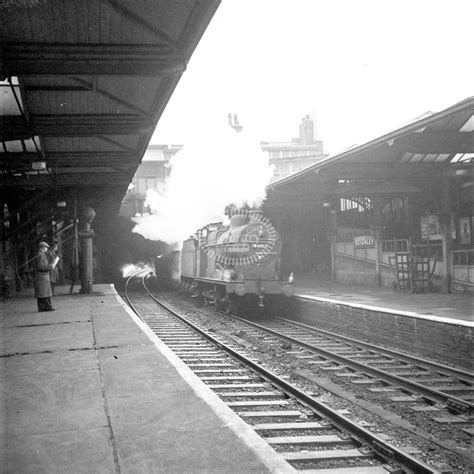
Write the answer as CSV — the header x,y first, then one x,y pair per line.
x,y
42,279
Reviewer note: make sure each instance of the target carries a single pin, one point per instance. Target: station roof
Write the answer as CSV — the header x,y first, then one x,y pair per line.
x,y
83,84
434,146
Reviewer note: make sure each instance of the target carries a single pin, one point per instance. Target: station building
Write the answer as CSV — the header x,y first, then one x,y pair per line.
x,y
150,174
289,157
395,211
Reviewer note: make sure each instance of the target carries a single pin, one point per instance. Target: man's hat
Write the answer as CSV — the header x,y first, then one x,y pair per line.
x,y
43,244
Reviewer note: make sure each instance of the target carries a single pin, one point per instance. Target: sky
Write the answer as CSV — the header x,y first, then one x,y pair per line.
x,y
359,68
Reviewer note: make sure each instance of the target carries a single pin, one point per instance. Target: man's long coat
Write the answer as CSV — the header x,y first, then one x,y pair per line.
x,y
42,279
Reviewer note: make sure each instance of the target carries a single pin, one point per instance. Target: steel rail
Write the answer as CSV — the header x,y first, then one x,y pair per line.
x,y
428,393
420,362
130,278
358,433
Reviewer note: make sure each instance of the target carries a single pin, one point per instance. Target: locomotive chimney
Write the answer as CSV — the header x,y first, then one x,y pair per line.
x,y
238,220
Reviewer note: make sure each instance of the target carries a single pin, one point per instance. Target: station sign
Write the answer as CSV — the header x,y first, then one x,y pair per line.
x,y
364,242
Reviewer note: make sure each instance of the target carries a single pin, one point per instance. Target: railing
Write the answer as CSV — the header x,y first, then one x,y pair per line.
x,y
462,266
427,250
396,245
391,247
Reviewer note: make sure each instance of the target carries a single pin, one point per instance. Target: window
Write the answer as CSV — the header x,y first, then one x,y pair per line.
x,y
150,183
283,168
394,212
360,204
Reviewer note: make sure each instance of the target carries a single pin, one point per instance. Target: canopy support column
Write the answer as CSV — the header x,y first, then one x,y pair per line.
x,y
378,206
87,235
446,230
333,241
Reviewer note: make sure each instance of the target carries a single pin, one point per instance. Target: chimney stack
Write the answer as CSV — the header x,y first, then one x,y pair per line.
x,y
306,131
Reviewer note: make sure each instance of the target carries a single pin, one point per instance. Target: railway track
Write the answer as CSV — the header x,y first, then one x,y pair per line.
x,y
309,435
445,393
428,386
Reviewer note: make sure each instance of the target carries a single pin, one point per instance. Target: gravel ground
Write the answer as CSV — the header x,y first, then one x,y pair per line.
x,y
444,446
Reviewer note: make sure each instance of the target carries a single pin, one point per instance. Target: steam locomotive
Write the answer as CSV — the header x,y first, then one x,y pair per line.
x,y
229,265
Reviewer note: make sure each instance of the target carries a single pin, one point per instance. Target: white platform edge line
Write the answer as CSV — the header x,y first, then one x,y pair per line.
x,y
438,319
270,458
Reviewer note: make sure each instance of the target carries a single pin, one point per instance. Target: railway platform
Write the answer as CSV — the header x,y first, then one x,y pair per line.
x,y
442,307
430,324
89,388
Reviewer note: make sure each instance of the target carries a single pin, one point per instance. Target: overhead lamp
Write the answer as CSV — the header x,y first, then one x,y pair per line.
x,y
38,165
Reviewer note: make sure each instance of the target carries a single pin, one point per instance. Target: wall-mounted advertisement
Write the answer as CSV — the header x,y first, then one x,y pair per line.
x,y
430,228
465,230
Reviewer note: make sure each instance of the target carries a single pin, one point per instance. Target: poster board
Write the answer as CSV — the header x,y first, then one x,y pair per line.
x,y
430,228
465,230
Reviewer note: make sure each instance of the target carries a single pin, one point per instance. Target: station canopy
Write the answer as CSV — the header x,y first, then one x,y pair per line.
x,y
406,160
83,84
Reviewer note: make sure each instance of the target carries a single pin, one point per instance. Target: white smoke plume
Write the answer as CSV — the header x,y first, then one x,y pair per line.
x,y
132,268
216,168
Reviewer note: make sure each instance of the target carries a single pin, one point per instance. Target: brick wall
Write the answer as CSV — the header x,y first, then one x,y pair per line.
x,y
448,343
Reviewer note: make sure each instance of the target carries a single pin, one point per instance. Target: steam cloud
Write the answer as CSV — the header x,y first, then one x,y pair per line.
x,y
216,168
131,269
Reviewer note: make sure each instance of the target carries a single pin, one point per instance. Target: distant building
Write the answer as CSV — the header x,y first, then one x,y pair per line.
x,y
301,152
151,173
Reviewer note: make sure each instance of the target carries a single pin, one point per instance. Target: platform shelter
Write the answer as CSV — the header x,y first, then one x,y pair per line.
x,y
395,211
82,87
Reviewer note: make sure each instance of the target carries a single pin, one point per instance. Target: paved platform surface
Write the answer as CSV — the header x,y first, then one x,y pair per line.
x,y
89,389
455,307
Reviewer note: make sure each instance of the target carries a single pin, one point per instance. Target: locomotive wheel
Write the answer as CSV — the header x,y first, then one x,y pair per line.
x,y
227,305
231,305
219,304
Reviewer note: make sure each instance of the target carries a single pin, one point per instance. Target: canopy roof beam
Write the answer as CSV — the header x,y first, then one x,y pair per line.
x,y
14,127
437,142
43,181
367,188
68,158
140,21
88,59
381,170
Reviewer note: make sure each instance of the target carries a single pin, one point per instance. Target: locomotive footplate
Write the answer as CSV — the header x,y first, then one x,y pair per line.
x,y
250,286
